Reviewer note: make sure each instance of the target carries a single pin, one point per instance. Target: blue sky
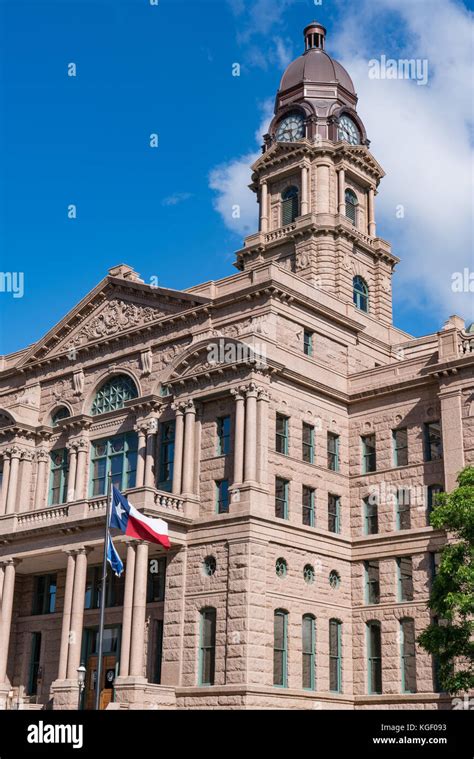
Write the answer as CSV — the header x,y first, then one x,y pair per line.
x,y
144,69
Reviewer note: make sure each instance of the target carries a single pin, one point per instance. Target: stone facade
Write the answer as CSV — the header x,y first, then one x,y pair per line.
x,y
361,377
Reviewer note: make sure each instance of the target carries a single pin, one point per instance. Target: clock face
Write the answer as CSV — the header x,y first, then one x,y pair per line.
x,y
348,131
291,128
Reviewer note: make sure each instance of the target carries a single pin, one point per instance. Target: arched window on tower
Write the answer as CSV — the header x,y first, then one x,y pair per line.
x,y
360,294
60,413
289,205
113,394
351,206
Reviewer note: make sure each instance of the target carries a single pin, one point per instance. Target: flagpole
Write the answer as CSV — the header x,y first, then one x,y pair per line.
x,y
103,593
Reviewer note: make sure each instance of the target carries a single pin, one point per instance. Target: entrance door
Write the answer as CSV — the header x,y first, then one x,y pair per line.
x,y
107,680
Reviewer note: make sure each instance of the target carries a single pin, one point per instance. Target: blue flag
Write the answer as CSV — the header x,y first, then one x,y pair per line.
x,y
114,559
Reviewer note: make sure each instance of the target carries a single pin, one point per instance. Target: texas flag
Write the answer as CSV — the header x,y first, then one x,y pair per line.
x,y
126,518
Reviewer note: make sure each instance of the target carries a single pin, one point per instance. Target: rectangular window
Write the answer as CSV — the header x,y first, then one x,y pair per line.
x,y
223,435
433,443
400,447
435,559
280,649
207,658
433,491
403,509
156,580
334,513
309,652
115,588
371,516
374,656
308,443
308,506
58,477
158,651
335,656
34,663
167,437
405,578
281,498
372,582
116,456
308,342
369,458
333,452
44,594
408,655
222,496
281,439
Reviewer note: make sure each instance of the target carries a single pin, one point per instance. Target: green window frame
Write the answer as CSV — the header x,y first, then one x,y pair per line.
x,y
372,582
308,342
351,206
116,456
282,434
289,205
433,443
403,507
281,498
44,594
334,513
360,294
408,655
432,492
371,516
113,394
374,657
333,451
280,648
35,658
59,467
369,453
335,656
405,578
400,446
167,443
207,646
308,438
223,435
308,506
222,496
308,650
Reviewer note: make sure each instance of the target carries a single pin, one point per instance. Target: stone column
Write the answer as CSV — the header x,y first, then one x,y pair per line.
x,y
262,436
15,454
264,206
2,577
141,452
341,192
304,190
81,468
71,476
77,614
5,480
137,642
24,502
371,212
178,449
9,568
66,620
127,610
150,479
251,434
188,457
322,188
239,436
42,458
452,436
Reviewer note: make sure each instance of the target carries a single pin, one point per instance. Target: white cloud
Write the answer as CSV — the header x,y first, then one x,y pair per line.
x,y
177,197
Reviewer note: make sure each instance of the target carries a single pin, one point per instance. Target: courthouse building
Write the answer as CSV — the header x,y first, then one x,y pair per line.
x,y
290,435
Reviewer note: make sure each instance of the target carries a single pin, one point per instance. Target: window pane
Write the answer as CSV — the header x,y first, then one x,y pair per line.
x,y
408,655
279,649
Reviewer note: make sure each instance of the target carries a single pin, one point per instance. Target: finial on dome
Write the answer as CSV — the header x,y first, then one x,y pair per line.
x,y
314,36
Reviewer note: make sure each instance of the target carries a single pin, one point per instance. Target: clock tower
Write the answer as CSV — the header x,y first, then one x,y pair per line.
x,y
316,183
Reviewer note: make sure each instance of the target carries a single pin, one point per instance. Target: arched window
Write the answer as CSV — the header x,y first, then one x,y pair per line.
x,y
61,413
408,655
113,394
309,651
207,646
374,657
335,655
351,206
289,205
280,648
360,294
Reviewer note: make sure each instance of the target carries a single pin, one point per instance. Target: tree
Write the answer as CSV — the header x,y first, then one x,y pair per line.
x,y
449,638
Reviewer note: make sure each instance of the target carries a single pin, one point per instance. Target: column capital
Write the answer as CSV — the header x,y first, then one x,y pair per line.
x,y
41,454
252,390
15,451
27,454
190,407
71,446
178,407
83,550
11,561
238,393
263,394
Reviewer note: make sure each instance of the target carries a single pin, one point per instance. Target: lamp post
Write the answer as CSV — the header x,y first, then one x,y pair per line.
x,y
81,682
